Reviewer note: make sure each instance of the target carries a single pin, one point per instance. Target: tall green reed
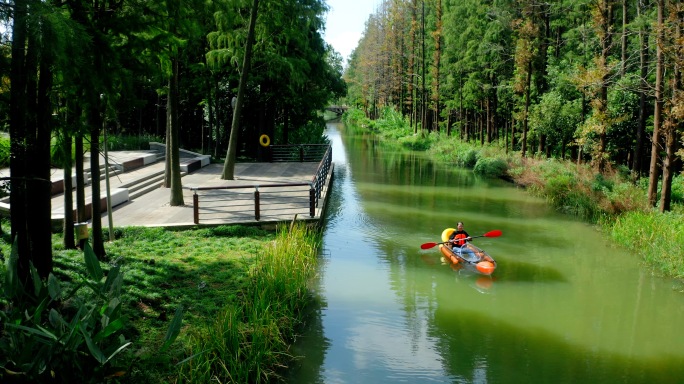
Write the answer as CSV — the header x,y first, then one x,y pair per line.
x,y
657,237
249,341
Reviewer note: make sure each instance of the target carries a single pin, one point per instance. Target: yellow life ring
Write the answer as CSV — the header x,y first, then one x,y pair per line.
x,y
264,140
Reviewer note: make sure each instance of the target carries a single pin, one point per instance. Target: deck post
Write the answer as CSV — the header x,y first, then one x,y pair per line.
x,y
257,215
312,201
195,207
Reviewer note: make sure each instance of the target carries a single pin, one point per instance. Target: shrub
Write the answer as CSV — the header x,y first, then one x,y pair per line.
x,y
50,335
309,133
467,158
4,151
65,333
559,189
678,189
623,197
602,184
131,142
415,142
491,167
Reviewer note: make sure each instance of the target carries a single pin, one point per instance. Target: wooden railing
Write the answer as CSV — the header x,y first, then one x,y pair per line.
x,y
297,153
270,201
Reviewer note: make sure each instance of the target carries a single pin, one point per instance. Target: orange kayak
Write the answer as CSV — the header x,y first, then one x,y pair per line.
x,y
467,256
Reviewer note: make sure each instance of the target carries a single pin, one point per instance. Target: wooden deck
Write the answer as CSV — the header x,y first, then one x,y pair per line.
x,y
150,206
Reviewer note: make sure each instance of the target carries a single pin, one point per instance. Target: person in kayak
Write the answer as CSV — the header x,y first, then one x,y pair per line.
x,y
459,238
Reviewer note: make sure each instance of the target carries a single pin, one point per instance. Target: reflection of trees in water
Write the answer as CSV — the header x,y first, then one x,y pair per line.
x,y
311,347
477,349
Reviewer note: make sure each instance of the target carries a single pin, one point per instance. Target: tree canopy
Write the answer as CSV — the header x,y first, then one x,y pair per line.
x,y
167,69
587,79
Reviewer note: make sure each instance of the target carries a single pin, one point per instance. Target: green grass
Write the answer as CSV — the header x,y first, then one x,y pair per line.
x,y
242,283
248,342
657,237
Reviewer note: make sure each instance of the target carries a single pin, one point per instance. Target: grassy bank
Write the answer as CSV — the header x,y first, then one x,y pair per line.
x,y
242,293
608,199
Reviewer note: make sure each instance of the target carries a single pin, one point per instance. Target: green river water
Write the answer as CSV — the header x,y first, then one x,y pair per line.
x,y
564,305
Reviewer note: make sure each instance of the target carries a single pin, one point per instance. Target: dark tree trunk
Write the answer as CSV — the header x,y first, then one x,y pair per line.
x,y
637,165
18,138
229,164
68,229
95,119
173,146
657,114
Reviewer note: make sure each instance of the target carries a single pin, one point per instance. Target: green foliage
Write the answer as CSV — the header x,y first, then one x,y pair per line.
x,y
356,118
258,328
391,128
678,189
309,133
556,117
72,327
490,167
602,184
4,151
657,237
455,151
53,335
117,142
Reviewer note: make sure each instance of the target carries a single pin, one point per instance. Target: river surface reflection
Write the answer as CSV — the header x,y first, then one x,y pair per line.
x,y
563,306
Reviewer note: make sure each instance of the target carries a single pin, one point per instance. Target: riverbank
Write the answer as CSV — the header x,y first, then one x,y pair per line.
x,y
609,200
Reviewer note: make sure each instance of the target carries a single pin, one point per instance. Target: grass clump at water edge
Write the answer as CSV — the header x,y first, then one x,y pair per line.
x,y
657,237
248,342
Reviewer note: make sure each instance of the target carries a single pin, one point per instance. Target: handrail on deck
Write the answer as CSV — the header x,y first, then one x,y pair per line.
x,y
285,191
297,153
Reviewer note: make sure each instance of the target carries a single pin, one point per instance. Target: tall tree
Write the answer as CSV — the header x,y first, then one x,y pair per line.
x,y
637,162
173,174
231,156
437,55
656,145
673,123
525,54
30,120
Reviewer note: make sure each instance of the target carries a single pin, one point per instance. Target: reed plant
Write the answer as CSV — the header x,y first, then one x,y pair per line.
x,y
248,341
394,130
657,237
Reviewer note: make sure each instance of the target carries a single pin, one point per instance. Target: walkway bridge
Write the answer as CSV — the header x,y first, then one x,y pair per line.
x,y
338,109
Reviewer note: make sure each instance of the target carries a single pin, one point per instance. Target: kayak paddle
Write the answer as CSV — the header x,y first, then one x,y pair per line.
x,y
494,233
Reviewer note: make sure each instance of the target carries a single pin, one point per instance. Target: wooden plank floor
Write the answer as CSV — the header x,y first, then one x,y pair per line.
x,y
153,209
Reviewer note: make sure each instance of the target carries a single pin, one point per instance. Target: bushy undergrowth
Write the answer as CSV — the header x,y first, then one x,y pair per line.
x,y
309,133
578,190
490,167
4,151
63,333
392,127
131,142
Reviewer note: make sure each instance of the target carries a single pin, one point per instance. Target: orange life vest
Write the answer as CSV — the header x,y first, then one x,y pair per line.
x,y
459,239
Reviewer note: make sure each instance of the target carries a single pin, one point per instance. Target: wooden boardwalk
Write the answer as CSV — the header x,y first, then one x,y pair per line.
x,y
152,208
